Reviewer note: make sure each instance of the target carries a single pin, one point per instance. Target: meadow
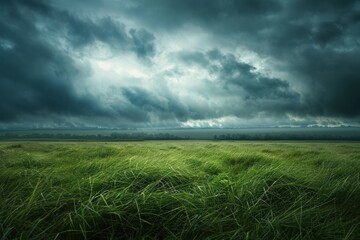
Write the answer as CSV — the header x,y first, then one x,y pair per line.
x,y
180,190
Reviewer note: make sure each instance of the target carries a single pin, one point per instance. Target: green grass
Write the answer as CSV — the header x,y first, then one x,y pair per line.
x,y
180,190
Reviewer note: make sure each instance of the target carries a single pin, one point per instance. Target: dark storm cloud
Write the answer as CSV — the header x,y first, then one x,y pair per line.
x,y
319,45
243,75
234,74
251,92
314,43
37,77
333,80
162,106
81,32
317,42
174,13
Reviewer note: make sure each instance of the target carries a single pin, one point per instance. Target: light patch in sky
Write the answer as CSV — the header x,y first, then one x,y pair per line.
x,y
117,71
6,44
189,37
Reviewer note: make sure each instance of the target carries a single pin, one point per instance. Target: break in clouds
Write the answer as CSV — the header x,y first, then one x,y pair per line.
x,y
172,63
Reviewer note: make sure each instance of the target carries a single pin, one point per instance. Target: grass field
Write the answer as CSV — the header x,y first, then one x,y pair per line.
x,y
180,190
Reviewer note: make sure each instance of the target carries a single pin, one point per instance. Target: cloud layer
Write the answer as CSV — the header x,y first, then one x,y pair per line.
x,y
179,63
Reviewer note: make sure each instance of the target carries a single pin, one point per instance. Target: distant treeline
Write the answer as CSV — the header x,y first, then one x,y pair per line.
x,y
285,136
111,137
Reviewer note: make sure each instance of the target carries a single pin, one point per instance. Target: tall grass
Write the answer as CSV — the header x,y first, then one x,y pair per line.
x,y
180,190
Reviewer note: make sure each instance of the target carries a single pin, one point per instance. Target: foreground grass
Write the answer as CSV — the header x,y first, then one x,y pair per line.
x,y
180,190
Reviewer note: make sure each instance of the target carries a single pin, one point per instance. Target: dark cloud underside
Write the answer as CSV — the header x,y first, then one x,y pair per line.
x,y
39,78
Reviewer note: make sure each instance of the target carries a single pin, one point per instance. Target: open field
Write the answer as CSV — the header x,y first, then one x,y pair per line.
x,y
180,190
298,133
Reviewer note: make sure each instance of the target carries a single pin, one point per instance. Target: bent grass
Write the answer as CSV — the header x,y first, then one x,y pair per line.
x,y
180,190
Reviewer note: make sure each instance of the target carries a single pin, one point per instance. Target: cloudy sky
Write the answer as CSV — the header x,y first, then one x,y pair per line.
x,y
179,63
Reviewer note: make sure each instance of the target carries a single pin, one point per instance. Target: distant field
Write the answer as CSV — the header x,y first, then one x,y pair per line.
x,y
180,190
340,133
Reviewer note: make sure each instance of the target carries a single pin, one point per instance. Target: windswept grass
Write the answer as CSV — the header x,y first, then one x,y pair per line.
x,y
180,190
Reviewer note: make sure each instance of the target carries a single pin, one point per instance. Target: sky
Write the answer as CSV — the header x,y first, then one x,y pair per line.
x,y
179,63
